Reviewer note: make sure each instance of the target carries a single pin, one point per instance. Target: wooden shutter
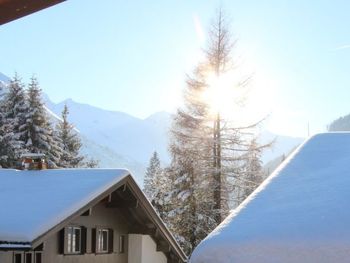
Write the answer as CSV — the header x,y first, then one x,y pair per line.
x,y
93,240
110,240
83,239
61,241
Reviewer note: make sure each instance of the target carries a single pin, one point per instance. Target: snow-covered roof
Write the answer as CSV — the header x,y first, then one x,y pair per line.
x,y
301,213
32,155
33,202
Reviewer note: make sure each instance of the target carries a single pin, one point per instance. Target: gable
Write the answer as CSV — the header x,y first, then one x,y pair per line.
x,y
43,202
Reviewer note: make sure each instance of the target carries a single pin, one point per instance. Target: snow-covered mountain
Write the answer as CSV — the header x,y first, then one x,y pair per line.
x,y
126,135
282,145
118,139
131,141
4,78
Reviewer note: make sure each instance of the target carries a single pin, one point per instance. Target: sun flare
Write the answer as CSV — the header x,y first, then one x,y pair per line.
x,y
222,94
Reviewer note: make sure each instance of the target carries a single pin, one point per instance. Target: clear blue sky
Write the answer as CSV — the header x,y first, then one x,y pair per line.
x,y
132,56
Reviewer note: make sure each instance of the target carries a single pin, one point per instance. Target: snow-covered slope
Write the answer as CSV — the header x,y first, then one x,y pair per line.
x,y
299,214
4,78
282,145
126,135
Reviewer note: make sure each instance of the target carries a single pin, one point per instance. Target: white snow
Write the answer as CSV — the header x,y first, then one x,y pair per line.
x,y
14,245
32,202
301,213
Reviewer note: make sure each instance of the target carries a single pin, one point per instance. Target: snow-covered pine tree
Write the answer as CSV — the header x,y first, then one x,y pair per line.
x,y
156,185
14,108
253,173
208,149
153,170
7,149
37,132
70,142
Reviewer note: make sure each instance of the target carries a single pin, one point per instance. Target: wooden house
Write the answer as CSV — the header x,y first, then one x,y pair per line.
x,y
80,215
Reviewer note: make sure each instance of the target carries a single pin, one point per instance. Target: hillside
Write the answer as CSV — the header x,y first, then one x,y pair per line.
x,y
340,124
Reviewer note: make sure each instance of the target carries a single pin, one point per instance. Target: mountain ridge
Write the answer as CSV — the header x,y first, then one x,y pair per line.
x,y
119,139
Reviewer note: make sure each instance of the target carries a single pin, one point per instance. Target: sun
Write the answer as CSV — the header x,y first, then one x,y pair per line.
x,y
222,94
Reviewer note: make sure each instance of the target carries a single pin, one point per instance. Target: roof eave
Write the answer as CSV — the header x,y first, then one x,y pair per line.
x,y
14,9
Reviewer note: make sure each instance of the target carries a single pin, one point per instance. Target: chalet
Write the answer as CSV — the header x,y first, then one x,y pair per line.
x,y
80,215
300,214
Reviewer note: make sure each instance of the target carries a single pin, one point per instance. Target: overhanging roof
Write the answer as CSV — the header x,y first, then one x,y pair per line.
x,y
42,202
14,9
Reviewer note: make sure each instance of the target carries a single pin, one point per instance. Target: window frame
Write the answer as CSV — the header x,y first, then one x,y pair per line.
x,y
31,257
71,239
100,242
20,254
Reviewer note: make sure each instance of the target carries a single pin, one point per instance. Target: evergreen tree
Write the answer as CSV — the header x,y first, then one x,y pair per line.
x,y
253,174
70,142
7,149
37,132
152,172
14,108
156,185
208,149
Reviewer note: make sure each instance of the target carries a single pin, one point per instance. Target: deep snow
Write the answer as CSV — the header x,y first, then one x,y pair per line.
x,y
301,213
32,202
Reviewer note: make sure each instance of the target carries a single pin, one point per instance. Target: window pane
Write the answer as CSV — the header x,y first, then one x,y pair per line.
x,y
77,238
105,240
73,242
69,239
99,240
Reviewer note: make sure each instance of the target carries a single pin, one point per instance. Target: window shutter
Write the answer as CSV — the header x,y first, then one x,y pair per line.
x,y
110,240
93,240
83,239
61,241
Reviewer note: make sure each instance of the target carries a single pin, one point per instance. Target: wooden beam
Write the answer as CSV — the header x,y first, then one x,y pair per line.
x,y
14,9
122,204
163,246
87,212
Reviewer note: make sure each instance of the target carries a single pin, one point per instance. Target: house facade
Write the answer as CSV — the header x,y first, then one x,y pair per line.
x,y
87,215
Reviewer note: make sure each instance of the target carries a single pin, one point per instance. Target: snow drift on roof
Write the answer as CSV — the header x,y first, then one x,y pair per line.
x,y
301,213
32,202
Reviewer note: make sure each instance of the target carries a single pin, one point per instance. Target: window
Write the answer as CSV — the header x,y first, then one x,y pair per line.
x,y
73,240
38,257
28,257
17,258
121,244
102,240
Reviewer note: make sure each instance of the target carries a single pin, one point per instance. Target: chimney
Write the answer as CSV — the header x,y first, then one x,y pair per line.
x,y
33,161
